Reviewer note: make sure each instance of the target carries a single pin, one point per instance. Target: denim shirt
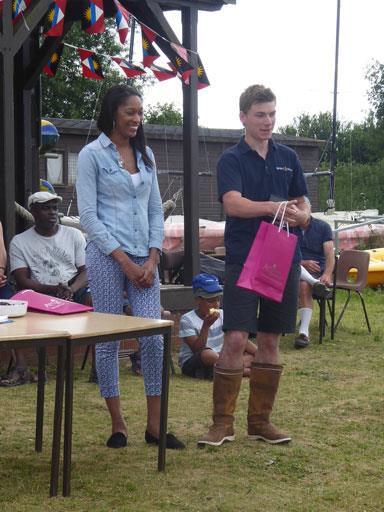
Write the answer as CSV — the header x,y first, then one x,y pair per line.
x,y
114,213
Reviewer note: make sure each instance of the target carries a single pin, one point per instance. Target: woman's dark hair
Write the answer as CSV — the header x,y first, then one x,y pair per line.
x,y
113,98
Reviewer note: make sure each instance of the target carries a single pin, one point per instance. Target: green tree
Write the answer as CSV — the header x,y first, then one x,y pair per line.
x,y
375,76
165,114
317,126
69,94
357,186
359,143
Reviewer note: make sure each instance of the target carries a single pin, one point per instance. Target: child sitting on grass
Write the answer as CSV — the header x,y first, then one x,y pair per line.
x,y
201,333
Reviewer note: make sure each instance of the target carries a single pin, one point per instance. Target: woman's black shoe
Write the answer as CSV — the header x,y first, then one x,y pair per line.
x,y
172,443
117,440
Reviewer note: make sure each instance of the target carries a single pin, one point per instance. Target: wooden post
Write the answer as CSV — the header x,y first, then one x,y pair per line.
x,y
191,153
7,126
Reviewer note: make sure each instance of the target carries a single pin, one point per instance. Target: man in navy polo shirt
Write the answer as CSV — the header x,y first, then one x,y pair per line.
x,y
253,177
317,252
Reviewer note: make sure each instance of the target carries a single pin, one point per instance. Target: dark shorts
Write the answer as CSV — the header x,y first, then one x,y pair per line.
x,y
195,368
246,311
81,295
6,291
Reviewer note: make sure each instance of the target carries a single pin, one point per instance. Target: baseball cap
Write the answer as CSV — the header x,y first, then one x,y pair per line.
x,y
206,285
42,197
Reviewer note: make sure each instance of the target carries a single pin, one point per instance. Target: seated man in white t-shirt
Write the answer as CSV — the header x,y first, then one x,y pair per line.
x,y
48,258
201,333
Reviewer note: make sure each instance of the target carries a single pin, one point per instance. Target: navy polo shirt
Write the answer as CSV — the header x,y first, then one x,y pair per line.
x,y
242,169
311,241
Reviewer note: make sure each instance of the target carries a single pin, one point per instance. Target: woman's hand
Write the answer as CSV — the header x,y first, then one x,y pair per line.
x,y
130,269
149,269
135,273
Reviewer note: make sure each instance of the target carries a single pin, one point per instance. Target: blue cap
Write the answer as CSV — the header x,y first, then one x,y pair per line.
x,y
206,285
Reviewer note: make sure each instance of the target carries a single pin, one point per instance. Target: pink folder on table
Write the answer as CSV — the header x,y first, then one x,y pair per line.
x,y
48,304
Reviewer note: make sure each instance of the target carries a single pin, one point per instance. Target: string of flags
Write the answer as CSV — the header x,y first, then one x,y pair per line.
x,y
92,22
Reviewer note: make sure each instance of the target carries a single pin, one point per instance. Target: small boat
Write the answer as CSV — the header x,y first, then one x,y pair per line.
x,y
376,268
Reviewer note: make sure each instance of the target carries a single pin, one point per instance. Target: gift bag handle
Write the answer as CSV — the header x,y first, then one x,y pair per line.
x,y
281,224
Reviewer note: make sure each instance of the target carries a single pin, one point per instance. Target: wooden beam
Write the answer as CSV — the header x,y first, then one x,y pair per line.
x,y
32,17
7,26
27,127
201,5
32,72
191,153
150,13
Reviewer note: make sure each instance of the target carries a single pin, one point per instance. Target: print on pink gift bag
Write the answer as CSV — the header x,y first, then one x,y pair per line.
x,y
269,260
48,304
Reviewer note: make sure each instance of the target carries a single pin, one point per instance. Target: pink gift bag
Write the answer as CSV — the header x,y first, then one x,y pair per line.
x,y
48,304
269,260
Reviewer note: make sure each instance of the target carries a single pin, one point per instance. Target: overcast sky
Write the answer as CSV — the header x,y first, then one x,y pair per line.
x,y
288,45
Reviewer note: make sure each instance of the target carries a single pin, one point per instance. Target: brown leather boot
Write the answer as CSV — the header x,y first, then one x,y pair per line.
x,y
226,387
263,385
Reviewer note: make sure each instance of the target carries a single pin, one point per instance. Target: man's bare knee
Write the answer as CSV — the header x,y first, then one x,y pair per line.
x,y
235,342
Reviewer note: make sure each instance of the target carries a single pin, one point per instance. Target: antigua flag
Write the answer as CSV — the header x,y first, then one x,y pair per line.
x,y
90,64
149,52
51,66
92,19
162,73
180,50
129,69
182,66
149,34
54,20
122,21
18,7
202,79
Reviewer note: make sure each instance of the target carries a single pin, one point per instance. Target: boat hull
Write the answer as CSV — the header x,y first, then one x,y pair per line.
x,y
376,268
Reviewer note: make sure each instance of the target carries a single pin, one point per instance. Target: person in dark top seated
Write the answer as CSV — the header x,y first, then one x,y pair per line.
x,y
317,251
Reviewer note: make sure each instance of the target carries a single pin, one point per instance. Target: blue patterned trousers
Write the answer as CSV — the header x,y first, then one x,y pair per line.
x,y
108,283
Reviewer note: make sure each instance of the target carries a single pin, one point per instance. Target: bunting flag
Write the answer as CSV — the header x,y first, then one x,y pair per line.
x,y
202,79
149,52
182,66
51,66
149,34
129,69
180,50
18,7
90,64
122,21
54,20
92,20
162,73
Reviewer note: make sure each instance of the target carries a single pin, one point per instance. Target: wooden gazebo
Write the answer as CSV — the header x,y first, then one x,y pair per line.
x,y
23,55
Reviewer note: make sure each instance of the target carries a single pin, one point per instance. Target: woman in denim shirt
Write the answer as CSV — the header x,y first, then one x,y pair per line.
x,y
121,211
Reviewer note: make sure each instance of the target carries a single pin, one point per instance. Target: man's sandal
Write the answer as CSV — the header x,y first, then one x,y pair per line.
x,y
16,377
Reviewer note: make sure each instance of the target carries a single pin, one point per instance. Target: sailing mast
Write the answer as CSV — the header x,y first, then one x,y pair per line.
x,y
331,199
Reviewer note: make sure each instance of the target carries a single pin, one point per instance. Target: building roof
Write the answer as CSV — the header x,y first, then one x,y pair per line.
x,y
82,127
202,5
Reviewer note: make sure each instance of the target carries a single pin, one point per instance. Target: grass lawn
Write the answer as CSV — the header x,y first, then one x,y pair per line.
x,y
330,401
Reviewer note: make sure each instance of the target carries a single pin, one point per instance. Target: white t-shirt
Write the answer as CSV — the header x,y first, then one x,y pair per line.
x,y
190,325
51,259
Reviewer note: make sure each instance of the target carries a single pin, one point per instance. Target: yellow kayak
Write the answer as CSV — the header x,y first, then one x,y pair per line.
x,y
376,268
